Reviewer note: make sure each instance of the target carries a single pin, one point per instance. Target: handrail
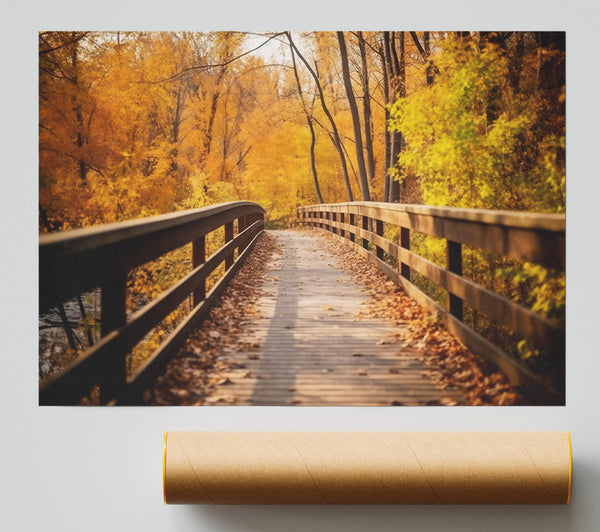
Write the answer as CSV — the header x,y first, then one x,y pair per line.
x,y
79,260
531,237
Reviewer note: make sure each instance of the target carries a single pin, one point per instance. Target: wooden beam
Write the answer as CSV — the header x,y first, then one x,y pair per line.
x,y
454,253
379,232
532,237
96,364
73,262
113,316
544,333
529,383
405,244
156,364
198,259
228,238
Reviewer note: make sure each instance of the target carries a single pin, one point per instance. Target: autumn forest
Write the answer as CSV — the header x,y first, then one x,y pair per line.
x,y
137,124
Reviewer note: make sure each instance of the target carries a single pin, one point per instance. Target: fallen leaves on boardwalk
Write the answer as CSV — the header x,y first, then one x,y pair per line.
x,y
198,373
195,372
449,362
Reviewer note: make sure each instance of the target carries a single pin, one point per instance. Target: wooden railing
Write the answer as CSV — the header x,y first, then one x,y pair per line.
x,y
77,261
535,238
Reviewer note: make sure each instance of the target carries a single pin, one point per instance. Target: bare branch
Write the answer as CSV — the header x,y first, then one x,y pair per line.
x,y
51,48
216,65
425,55
70,156
413,34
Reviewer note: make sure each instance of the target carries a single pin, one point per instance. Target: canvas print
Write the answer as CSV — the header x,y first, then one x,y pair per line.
x,y
302,218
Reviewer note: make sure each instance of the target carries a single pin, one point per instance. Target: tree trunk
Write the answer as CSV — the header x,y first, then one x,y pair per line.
x,y
367,112
516,63
79,137
401,94
387,89
207,144
67,327
351,165
397,85
360,159
86,324
493,106
309,121
386,138
335,135
430,66
425,52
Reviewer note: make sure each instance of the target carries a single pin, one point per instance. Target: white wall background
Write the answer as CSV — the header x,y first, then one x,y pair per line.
x,y
75,469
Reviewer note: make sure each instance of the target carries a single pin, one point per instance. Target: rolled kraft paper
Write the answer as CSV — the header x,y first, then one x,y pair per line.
x,y
367,467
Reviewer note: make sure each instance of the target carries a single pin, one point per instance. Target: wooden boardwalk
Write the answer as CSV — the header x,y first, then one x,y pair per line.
x,y
309,348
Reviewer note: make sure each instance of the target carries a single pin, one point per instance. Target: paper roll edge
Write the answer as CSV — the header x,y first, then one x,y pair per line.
x,y
570,467
164,467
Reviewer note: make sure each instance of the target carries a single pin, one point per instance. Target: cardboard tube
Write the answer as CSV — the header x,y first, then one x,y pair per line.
x,y
367,467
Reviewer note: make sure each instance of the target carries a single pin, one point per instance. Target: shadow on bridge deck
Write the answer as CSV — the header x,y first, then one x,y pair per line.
x,y
309,348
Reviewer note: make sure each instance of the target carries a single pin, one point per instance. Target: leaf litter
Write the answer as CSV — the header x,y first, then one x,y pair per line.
x,y
449,363
195,375
199,370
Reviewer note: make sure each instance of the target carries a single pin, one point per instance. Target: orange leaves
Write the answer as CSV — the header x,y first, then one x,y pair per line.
x,y
111,140
129,119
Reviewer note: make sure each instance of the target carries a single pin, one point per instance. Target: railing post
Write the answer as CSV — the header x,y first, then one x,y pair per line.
x,y
229,238
198,258
365,226
241,225
379,232
455,304
405,243
334,220
113,315
352,236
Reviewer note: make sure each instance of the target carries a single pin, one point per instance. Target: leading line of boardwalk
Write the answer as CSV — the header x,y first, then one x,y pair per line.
x,y
312,348
79,260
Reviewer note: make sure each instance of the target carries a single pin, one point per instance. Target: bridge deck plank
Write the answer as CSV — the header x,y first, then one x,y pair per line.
x,y
310,348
